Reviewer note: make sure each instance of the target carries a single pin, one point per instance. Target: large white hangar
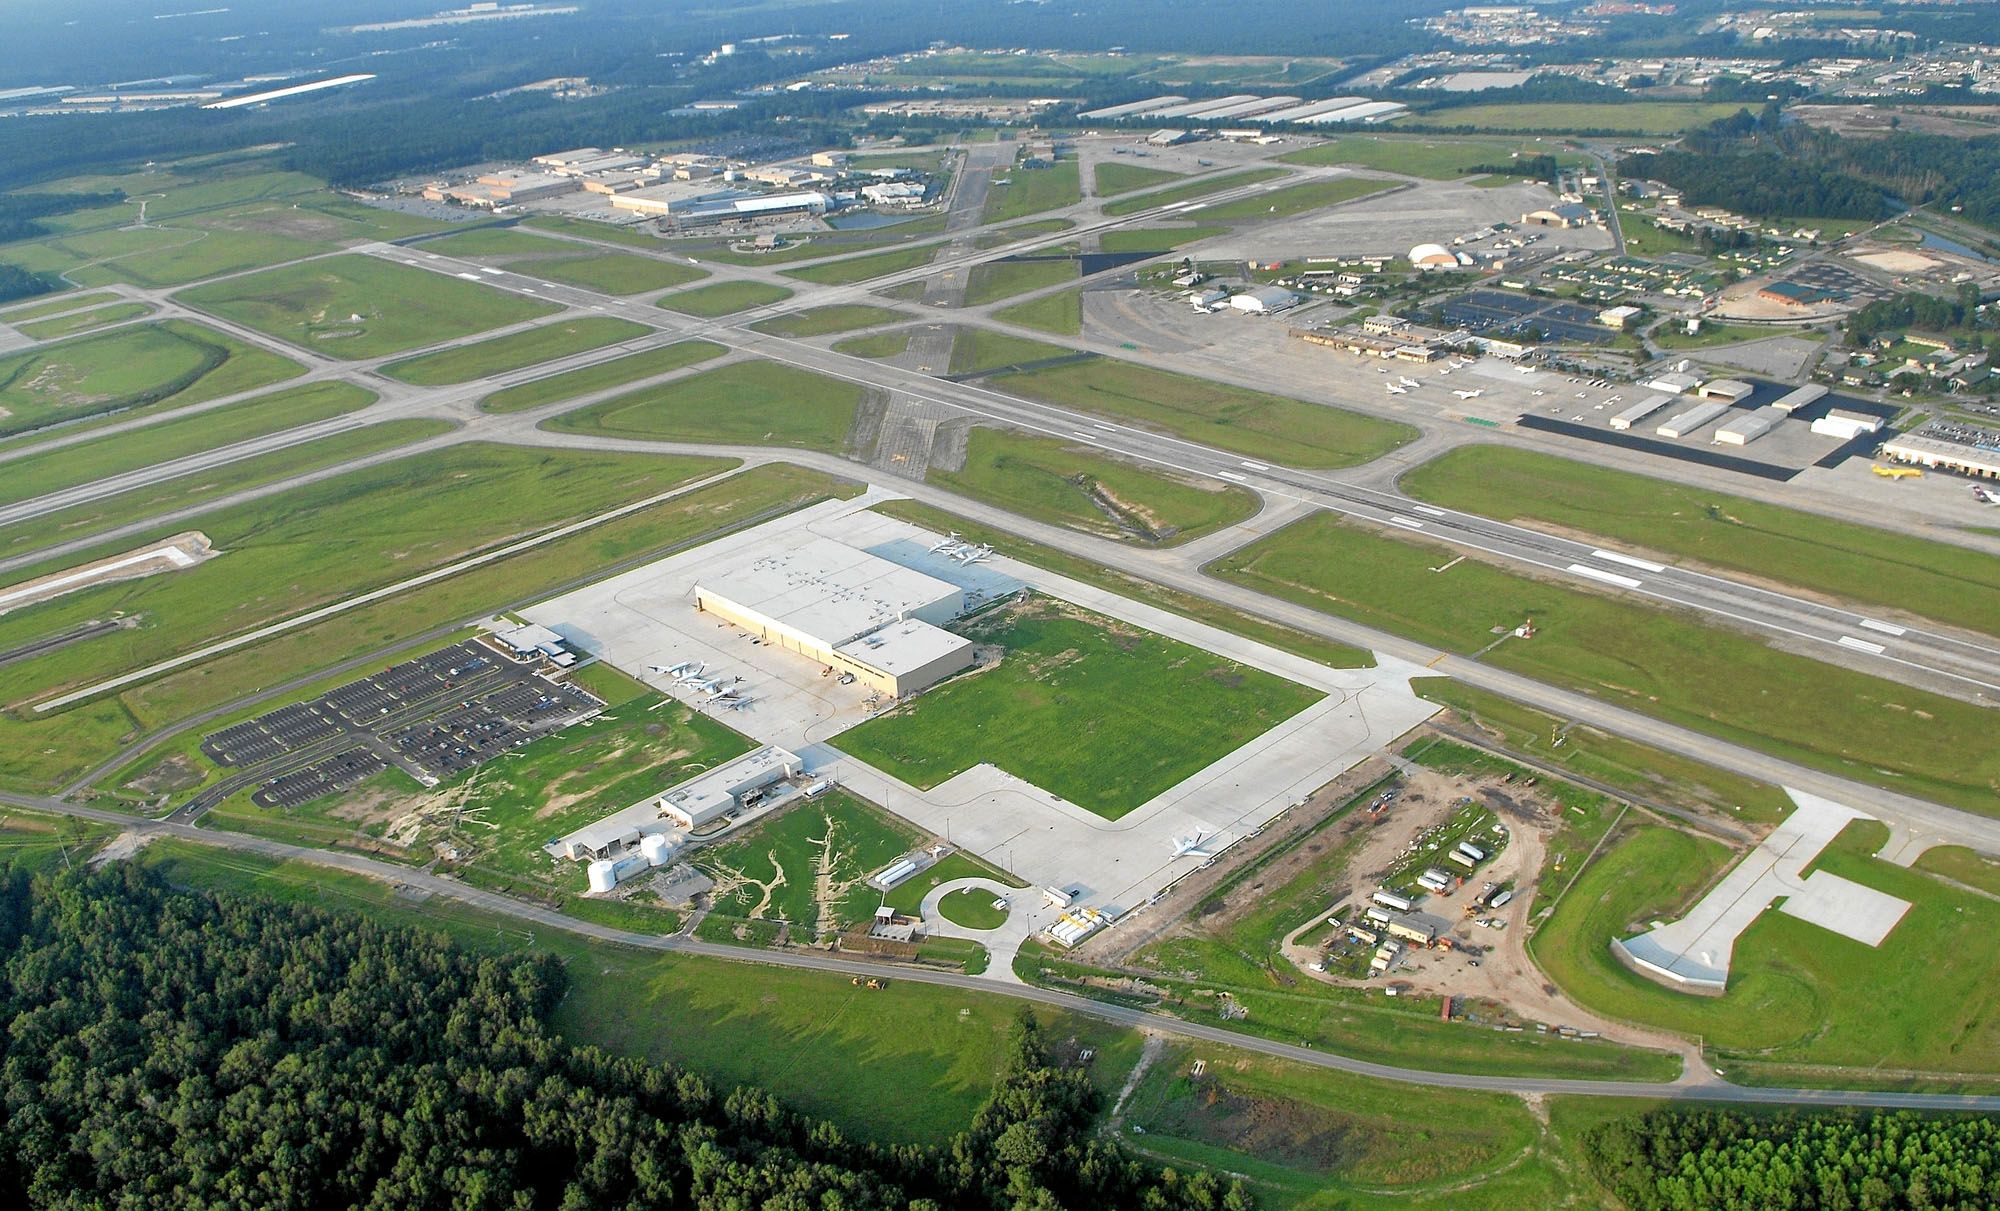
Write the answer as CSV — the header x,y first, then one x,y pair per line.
x,y
847,609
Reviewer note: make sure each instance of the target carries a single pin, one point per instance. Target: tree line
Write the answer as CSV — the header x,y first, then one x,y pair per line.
x,y
164,1047
1723,1160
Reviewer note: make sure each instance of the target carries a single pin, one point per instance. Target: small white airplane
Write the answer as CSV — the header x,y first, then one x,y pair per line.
x,y
1538,391
673,670
1984,497
1446,370
951,543
1473,394
1194,845
1395,390
1409,382
736,704
973,554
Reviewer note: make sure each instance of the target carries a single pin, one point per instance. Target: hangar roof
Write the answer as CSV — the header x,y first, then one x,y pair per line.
x,y
828,590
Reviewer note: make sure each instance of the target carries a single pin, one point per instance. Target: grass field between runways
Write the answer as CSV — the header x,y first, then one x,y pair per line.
x,y
1663,663
724,298
825,321
142,366
362,306
1257,424
500,354
1096,711
588,380
1193,189
757,401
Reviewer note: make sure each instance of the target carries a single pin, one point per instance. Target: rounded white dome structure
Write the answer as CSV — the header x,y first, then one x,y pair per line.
x,y
1432,256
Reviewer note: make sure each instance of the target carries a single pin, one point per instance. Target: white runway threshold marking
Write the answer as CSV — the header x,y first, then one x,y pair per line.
x,y
1623,582
1427,510
1231,475
470,277
1628,561
1255,466
1884,627
1408,523
1861,645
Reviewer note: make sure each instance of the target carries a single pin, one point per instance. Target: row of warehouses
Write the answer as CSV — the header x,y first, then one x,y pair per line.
x,y
1261,111
1720,396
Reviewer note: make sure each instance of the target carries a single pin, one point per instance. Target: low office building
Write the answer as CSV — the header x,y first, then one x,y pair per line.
x,y
848,610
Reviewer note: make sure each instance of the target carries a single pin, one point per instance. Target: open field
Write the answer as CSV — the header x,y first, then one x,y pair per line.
x,y
825,321
1075,486
1659,662
1564,117
440,609
1439,159
1112,177
997,280
56,304
981,351
1193,189
756,401
1298,643
499,354
1842,560
174,438
812,1039
325,541
604,375
724,298
1256,424
144,366
1060,313
84,321
805,865
1031,191
137,504
1297,199
1021,231
1798,994
400,308
849,270
875,344
1615,762
1102,714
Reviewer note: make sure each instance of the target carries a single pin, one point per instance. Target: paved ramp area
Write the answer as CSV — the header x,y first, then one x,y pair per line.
x,y
1695,951
644,622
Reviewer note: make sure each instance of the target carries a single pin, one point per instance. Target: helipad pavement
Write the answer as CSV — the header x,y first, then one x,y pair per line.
x,y
1695,951
645,619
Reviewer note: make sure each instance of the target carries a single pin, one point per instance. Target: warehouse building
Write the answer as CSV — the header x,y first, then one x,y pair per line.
x,y
848,610
1728,390
1799,397
1927,450
1687,422
1846,425
1640,411
1749,427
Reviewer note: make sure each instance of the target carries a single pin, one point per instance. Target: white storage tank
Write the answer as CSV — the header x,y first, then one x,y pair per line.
x,y
603,875
657,848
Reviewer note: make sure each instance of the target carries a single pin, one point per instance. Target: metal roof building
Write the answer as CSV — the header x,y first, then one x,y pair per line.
x,y
1687,422
1749,427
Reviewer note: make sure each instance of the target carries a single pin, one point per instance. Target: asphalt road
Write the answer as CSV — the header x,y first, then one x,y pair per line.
x,y
1691,1086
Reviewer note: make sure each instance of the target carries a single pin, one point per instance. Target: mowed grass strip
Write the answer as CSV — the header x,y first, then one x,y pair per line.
x,y
1439,159
566,261
1032,190
876,345
497,355
1112,177
56,305
1257,424
825,321
1101,713
980,350
1798,993
326,541
1060,314
142,366
78,522
725,298
400,307
1658,662
174,438
84,321
1192,190
1155,239
1859,563
1570,117
997,280
588,379
849,270
1074,486
757,402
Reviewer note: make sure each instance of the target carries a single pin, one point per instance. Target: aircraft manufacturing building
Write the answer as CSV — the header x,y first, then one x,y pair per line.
x,y
851,611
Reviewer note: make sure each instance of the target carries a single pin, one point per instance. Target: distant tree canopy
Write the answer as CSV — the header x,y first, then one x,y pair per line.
x,y
19,283
1719,1160
19,212
1924,312
171,1048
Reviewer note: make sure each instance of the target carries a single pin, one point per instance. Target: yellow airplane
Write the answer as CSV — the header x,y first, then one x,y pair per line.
x,y
1897,472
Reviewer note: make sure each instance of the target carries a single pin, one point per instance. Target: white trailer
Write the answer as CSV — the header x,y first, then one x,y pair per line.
x,y
1389,899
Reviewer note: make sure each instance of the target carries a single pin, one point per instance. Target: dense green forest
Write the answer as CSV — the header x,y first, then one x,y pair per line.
x,y
1924,312
18,283
1710,1160
170,1048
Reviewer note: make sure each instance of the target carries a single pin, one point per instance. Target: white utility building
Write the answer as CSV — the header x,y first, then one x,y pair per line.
x,y
847,609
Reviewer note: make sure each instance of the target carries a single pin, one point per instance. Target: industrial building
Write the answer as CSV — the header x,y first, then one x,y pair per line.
x,y
1728,390
659,825
1926,448
1264,300
1846,425
848,610
1640,411
1419,927
1749,427
1799,397
1683,423
1618,317
1672,384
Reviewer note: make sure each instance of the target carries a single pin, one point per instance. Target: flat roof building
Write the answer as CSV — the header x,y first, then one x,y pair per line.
x,y
693,804
1684,423
1799,397
1640,411
848,610
1926,450
1732,390
1749,427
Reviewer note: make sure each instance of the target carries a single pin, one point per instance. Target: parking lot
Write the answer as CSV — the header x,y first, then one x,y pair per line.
x,y
434,717
1500,313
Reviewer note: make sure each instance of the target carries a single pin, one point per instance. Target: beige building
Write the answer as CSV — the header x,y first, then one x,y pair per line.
x,y
847,609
